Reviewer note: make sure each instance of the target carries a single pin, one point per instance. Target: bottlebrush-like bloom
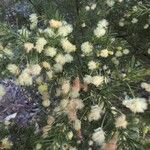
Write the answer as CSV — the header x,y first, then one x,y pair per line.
x,y
28,47
136,105
65,29
98,136
41,42
55,23
67,46
50,51
95,113
86,47
121,122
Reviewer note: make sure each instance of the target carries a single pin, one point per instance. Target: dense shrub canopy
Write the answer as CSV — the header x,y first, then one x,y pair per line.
x,y
74,74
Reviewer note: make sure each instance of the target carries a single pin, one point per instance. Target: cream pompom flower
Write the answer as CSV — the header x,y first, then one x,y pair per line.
x,y
25,79
99,32
41,42
137,105
50,51
6,143
87,79
67,46
33,18
46,65
65,86
93,6
77,125
104,53
103,23
68,58
64,103
49,74
49,32
60,59
92,65
118,54
101,28
98,136
58,67
13,69
35,69
95,113
72,107
86,47
46,103
145,86
28,46
97,80
121,122
65,29
110,3
55,23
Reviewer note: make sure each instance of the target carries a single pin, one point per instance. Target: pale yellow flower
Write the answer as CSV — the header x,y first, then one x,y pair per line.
x,y
28,46
77,125
46,103
121,122
13,69
97,80
50,51
104,53
86,47
6,143
25,79
41,42
98,136
55,23
137,105
46,65
67,46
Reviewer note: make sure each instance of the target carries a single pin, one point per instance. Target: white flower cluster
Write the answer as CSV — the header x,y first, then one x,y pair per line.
x,y
34,20
119,53
6,143
96,80
65,29
67,46
86,48
98,136
145,86
110,3
92,65
121,122
101,28
50,51
91,7
41,42
55,23
28,46
137,105
26,76
95,113
13,69
105,53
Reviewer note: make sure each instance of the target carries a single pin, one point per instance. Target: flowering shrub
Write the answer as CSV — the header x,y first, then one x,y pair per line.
x,y
85,82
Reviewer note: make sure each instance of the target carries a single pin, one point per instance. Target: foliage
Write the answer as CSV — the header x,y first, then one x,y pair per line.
x,y
94,79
